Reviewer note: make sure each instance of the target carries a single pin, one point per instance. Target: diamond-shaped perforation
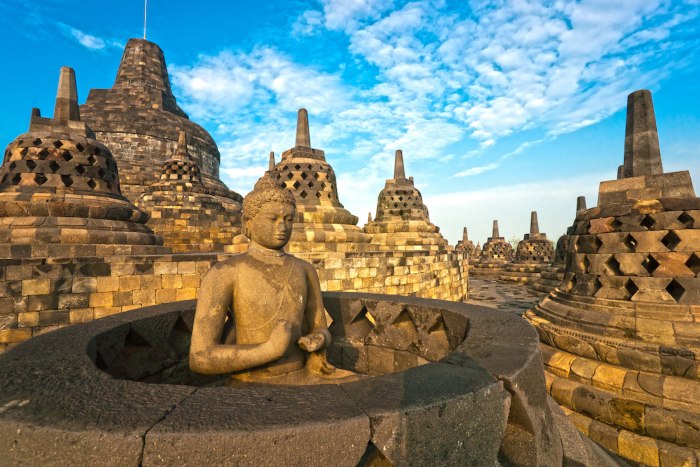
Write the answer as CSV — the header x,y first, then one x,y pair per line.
x,y
297,167
303,194
40,179
647,222
91,183
615,224
290,175
91,159
671,240
612,265
650,264
304,175
16,179
36,142
296,184
80,169
66,156
31,165
598,243
630,242
675,290
58,143
596,286
693,263
53,165
66,180
687,220
43,154
631,288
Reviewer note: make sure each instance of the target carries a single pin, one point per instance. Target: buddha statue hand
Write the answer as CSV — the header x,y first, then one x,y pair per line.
x,y
312,342
279,340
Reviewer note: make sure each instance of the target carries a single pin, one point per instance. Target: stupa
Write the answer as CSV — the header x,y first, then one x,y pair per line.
x,y
140,120
552,275
185,212
495,255
533,253
321,224
621,336
60,194
402,222
466,245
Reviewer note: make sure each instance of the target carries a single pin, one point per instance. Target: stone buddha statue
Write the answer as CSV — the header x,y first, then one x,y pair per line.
x,y
260,314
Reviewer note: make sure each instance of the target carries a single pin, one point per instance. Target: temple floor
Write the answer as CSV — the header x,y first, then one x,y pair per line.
x,y
507,296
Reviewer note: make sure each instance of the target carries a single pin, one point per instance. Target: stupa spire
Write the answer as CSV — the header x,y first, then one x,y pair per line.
x,y
399,171
494,233
642,153
534,224
465,235
271,164
303,136
580,204
67,97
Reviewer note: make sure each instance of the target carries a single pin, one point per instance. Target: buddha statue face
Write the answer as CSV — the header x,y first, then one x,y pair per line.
x,y
271,227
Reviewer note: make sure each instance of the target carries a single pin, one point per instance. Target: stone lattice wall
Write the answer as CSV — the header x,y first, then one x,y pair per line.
x,y
40,295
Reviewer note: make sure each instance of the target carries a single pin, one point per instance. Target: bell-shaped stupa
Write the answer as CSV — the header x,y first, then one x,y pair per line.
x,y
402,222
495,255
60,194
139,119
185,212
552,275
466,245
533,253
621,335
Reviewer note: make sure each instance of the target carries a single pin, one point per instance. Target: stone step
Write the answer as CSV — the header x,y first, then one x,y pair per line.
x,y
632,446
669,392
675,426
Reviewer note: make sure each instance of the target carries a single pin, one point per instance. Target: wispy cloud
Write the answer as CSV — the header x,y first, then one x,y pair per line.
x,y
88,40
476,170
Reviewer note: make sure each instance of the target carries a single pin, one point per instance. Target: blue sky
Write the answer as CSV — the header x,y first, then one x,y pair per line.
x,y
501,107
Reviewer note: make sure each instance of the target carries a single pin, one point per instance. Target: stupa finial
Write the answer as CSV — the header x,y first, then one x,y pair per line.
x,y
465,235
303,136
494,233
271,164
642,153
67,97
534,224
181,150
399,171
580,204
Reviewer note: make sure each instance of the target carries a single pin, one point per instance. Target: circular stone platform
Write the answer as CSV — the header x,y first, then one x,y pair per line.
x,y
453,384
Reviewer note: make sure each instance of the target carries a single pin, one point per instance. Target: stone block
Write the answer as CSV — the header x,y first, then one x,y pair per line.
x,y
638,448
101,299
36,287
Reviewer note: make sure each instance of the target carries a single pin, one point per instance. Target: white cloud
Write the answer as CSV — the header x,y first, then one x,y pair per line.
x,y
88,40
476,170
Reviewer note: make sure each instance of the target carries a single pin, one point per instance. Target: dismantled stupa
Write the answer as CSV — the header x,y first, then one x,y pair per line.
x,y
139,120
466,245
402,221
495,254
621,336
184,212
533,253
551,276
60,193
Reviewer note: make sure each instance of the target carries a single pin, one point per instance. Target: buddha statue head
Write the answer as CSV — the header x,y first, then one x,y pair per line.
x,y
268,214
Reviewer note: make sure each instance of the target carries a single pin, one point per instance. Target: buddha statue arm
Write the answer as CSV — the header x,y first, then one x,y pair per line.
x,y
317,336
207,354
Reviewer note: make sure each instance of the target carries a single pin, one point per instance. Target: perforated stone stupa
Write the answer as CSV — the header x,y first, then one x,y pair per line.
x,y
184,212
466,245
621,337
321,224
552,275
139,119
533,253
60,193
495,254
402,221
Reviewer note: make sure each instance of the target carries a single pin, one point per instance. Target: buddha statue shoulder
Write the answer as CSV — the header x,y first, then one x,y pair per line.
x,y
260,314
